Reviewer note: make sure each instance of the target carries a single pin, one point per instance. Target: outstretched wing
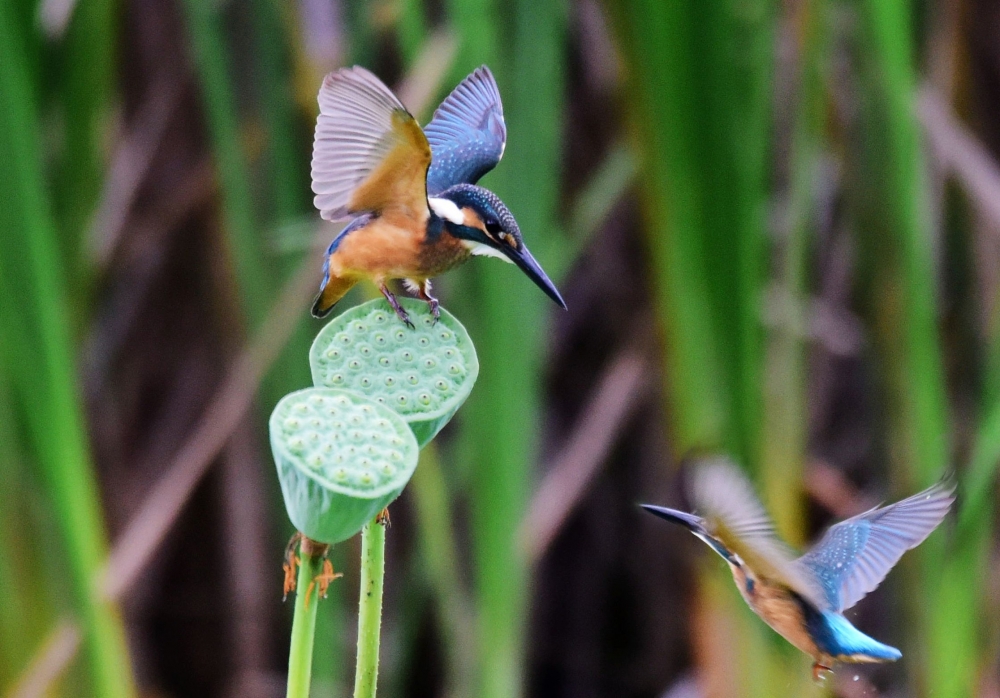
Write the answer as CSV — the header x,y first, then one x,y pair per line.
x,y
733,513
369,153
467,134
855,555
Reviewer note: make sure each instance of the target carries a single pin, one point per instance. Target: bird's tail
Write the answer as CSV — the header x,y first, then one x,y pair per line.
x,y
332,291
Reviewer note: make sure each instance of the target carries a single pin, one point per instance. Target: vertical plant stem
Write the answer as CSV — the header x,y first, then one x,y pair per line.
x,y
304,621
370,608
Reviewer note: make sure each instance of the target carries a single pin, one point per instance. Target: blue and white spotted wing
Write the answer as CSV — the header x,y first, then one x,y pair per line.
x,y
467,134
725,498
855,555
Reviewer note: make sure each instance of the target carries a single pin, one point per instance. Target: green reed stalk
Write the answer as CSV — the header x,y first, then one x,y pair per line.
x,y
37,343
370,608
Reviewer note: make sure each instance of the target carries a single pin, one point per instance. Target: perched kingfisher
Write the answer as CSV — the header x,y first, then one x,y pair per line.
x,y
804,598
411,192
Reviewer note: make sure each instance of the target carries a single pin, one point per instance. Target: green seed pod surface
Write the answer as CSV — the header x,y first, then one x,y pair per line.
x,y
341,459
424,374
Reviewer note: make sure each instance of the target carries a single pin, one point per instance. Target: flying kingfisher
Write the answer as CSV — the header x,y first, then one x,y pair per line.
x,y
804,598
411,192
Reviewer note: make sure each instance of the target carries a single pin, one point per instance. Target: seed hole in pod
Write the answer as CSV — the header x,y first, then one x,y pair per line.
x,y
413,379
402,400
424,342
379,317
296,444
371,450
292,424
356,419
366,382
343,400
365,479
384,361
352,451
327,447
390,381
337,378
455,369
340,474
380,400
388,470
339,458
337,425
429,363
354,364
366,463
316,461
445,335
395,455
332,353
312,436
400,335
316,423
381,340
357,435
424,398
366,409
301,408
441,384
359,327
428,321
450,353
344,339
375,436
406,355
396,441
365,350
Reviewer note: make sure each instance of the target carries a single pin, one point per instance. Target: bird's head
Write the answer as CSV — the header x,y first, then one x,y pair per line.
x,y
486,226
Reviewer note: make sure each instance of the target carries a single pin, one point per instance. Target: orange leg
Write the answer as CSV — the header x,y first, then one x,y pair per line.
x,y
820,671
424,293
395,305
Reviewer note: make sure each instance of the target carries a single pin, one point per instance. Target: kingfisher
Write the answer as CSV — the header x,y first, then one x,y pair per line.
x,y
411,193
804,598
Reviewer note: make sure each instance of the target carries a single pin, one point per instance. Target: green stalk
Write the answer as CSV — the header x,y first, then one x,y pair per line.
x,y
42,363
370,608
304,621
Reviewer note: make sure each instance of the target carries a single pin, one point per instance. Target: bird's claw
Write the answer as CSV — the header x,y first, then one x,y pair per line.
x,y
820,671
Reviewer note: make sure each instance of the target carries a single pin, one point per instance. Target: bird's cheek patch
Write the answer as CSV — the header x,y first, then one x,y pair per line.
x,y
472,219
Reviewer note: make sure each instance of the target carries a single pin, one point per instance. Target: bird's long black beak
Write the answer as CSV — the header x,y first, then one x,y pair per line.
x,y
688,521
523,259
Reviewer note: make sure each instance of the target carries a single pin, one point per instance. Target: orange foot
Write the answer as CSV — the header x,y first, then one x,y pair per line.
x,y
383,518
820,671
322,580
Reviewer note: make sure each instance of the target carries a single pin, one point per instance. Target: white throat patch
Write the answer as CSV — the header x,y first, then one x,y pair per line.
x,y
446,209
479,249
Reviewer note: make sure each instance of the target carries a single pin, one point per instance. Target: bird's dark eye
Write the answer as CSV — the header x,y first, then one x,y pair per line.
x,y
492,227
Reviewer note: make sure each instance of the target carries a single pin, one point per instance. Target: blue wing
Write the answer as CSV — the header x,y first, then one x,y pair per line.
x,y
855,555
467,134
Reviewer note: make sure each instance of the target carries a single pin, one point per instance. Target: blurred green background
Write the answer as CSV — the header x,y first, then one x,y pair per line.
x,y
777,227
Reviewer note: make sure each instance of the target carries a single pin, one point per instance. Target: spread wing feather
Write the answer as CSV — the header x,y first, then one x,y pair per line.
x,y
369,153
467,134
725,498
855,555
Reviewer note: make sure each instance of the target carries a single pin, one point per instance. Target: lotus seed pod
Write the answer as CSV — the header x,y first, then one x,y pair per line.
x,y
424,374
341,459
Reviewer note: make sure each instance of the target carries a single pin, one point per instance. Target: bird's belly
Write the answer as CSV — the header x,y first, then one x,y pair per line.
x,y
783,613
395,248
